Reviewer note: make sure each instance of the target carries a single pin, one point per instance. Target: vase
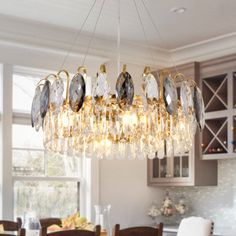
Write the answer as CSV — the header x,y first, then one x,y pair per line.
x,y
102,218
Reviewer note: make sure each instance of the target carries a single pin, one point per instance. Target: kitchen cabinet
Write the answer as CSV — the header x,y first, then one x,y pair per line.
x,y
187,169
219,133
182,170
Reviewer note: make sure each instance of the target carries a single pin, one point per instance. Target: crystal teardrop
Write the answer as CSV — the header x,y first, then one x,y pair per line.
x,y
35,107
44,99
56,94
124,90
199,107
150,87
101,88
186,97
77,92
170,95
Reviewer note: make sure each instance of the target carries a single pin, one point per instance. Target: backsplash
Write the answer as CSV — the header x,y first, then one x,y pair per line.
x,y
216,203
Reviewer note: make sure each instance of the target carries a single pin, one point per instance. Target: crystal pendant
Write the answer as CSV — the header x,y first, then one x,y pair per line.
x,y
56,94
170,95
101,88
36,119
186,97
44,99
124,90
77,92
150,87
199,107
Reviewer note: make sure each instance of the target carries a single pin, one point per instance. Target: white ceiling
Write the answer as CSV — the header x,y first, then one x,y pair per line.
x,y
203,20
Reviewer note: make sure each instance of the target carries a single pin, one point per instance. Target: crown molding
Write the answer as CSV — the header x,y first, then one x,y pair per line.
x,y
206,50
35,44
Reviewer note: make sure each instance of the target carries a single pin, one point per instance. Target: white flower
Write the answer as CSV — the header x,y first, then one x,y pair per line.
x,y
153,211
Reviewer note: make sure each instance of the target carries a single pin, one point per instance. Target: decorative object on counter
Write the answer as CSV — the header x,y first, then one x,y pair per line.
x,y
102,218
74,221
181,208
92,122
167,208
153,211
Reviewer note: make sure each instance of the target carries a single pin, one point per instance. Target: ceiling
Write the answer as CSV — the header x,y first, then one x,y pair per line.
x,y
203,20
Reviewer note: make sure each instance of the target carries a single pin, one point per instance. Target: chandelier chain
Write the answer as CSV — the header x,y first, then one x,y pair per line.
x,y
75,39
93,34
158,32
118,40
144,32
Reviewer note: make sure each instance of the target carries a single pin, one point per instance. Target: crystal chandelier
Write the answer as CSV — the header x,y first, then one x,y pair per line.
x,y
158,123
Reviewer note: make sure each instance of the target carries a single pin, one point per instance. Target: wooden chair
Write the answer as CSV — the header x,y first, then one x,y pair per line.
x,y
12,226
73,232
197,226
139,231
46,222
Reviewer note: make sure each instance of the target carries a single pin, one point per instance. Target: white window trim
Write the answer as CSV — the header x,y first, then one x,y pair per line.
x,y
6,180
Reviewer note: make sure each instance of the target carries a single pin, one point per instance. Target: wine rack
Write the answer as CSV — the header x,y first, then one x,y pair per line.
x,y
219,133
215,93
215,136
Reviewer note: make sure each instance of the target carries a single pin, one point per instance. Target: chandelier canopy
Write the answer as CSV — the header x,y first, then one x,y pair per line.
x,y
160,122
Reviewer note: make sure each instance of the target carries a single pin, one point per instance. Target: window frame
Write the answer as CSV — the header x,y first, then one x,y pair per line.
x,y
89,179
24,119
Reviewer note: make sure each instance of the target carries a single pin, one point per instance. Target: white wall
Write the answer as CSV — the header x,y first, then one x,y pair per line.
x,y
123,184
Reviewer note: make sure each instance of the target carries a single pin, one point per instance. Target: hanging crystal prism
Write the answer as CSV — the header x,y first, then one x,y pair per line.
x,y
77,92
170,95
56,94
101,88
44,98
124,90
36,119
150,88
199,107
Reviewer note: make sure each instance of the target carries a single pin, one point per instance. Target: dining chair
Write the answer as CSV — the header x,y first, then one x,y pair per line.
x,y
139,231
72,232
46,222
196,226
11,226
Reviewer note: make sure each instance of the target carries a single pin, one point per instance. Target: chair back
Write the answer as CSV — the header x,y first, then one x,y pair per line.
x,y
195,226
73,232
46,222
139,231
12,226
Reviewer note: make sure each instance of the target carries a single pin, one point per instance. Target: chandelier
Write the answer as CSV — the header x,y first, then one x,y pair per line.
x,y
160,122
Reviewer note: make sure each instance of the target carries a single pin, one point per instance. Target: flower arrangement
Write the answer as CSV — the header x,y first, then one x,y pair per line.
x,y
153,211
74,221
181,207
167,208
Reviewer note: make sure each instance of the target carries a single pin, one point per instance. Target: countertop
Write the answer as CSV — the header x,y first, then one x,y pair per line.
x,y
218,231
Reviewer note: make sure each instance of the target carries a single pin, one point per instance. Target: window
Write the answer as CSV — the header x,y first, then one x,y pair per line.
x,y
23,92
45,184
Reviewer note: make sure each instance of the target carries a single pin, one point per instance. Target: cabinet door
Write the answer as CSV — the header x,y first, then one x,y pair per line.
x,y
171,171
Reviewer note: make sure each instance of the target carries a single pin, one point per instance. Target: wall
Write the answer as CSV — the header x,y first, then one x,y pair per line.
x,y
216,203
123,185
